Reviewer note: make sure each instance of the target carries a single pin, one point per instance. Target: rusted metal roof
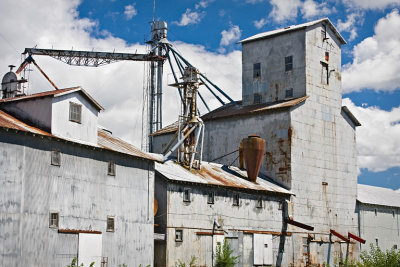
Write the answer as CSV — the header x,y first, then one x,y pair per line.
x,y
231,110
54,93
294,28
105,140
173,127
218,175
8,121
374,195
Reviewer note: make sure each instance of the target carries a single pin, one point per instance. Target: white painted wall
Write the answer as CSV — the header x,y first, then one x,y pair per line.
x,y
85,131
382,225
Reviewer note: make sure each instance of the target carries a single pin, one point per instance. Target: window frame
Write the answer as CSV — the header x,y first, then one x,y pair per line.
x,y
257,71
111,168
186,195
289,63
211,197
236,199
259,202
324,68
51,219
55,154
110,222
289,93
177,238
74,114
323,33
257,98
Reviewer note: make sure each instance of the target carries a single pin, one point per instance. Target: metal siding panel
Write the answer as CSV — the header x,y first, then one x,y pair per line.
x,y
90,248
258,247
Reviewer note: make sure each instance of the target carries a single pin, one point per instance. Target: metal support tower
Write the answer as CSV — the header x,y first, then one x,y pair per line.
x,y
191,127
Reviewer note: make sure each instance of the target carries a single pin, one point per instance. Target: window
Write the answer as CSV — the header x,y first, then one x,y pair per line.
x,y
289,63
111,168
186,195
393,213
257,98
236,199
324,73
376,242
323,33
394,246
178,235
280,205
54,219
259,202
305,244
257,71
326,56
75,112
376,212
110,224
56,158
210,198
289,93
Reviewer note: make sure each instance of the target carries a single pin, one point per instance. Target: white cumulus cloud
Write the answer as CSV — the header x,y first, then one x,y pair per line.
x,y
130,11
376,62
284,10
190,17
260,23
378,141
372,4
350,24
311,9
230,36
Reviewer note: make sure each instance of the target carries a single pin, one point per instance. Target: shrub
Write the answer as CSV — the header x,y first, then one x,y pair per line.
x,y
224,256
377,258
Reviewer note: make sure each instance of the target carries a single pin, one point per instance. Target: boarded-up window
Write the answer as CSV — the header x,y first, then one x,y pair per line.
x,y
75,112
289,93
56,158
210,198
110,224
54,219
178,235
186,195
289,63
111,168
257,71
236,199
257,98
324,73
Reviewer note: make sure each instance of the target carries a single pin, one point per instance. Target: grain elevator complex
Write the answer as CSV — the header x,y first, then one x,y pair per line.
x,y
274,174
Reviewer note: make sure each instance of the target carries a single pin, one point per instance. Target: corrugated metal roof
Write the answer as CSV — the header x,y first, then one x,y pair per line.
x,y
54,93
105,140
238,109
294,28
219,175
173,127
368,194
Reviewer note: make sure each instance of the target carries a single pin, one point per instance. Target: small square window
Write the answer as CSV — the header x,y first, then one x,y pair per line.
x,y
257,71
54,219
236,199
289,63
257,98
111,168
210,198
186,195
55,158
324,73
259,202
110,224
75,112
178,235
289,93
394,246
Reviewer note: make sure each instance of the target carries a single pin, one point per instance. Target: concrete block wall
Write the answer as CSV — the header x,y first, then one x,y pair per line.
x,y
274,80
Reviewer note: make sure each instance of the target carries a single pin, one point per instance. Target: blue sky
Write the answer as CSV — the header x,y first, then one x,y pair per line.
x,y
206,32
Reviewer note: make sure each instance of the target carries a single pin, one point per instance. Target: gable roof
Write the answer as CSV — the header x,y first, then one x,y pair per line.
x,y
368,194
294,28
105,140
218,175
54,93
